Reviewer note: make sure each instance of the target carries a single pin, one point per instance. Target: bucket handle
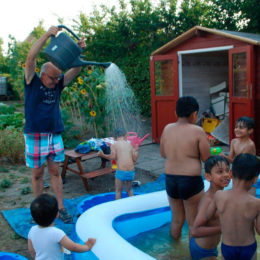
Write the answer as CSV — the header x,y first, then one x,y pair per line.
x,y
69,30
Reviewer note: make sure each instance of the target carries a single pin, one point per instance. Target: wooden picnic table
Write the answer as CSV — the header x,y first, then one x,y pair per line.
x,y
74,157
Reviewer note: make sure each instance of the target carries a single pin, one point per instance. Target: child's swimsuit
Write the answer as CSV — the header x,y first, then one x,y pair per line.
x,y
238,252
182,186
198,252
125,175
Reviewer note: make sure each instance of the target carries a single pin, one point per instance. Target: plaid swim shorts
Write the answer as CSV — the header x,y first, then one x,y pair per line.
x,y
39,147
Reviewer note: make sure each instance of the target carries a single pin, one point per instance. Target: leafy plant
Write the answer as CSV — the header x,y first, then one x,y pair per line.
x,y
5,183
85,100
11,121
26,190
4,109
12,145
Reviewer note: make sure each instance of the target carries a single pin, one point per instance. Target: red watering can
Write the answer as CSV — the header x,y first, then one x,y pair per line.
x,y
134,139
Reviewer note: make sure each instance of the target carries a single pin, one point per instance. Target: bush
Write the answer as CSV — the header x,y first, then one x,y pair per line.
x,y
12,145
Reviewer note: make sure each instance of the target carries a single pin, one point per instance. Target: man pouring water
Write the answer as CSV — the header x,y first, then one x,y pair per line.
x,y
43,122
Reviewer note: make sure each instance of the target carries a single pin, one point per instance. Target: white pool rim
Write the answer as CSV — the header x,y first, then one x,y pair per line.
x,y
97,222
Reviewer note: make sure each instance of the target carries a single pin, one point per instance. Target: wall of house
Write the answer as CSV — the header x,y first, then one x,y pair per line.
x,y
200,72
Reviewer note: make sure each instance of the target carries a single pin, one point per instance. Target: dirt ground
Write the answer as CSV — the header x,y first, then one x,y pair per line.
x,y
19,195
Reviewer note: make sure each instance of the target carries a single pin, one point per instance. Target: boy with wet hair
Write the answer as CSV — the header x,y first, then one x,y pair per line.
x,y
206,234
45,240
184,145
239,212
242,143
125,156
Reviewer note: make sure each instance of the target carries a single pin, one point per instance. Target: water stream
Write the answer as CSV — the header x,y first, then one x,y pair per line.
x,y
121,106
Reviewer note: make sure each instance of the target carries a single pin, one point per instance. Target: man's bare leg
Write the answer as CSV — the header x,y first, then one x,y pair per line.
x,y
37,181
191,208
56,181
178,217
129,189
119,188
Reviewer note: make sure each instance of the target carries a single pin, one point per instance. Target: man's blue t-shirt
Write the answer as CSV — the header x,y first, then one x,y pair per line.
x,y
42,107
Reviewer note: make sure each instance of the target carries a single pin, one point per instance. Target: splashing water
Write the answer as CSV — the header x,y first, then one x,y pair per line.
x,y
121,107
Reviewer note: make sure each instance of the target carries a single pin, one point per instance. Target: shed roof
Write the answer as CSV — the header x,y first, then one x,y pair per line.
x,y
241,36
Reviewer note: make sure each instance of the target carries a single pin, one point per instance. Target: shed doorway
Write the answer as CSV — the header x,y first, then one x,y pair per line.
x,y
204,74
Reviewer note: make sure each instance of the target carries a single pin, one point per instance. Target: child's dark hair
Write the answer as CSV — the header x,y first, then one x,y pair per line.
x,y
186,106
246,121
213,161
44,209
119,132
246,167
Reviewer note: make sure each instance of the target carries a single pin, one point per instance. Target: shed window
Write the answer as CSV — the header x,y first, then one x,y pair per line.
x,y
240,86
164,77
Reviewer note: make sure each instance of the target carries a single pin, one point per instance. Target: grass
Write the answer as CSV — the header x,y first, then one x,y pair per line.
x,y
25,180
3,169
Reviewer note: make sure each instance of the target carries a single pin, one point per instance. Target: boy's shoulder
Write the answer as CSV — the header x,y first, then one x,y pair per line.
x,y
221,194
207,198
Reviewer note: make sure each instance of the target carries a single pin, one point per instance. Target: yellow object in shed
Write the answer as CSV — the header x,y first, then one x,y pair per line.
x,y
209,124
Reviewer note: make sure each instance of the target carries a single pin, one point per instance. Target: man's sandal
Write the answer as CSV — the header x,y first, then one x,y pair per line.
x,y
65,216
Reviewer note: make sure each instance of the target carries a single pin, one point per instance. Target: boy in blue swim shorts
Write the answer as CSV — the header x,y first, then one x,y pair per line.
x,y
206,234
125,156
238,210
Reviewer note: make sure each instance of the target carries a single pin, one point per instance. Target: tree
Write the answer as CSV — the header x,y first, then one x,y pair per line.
x,y
234,15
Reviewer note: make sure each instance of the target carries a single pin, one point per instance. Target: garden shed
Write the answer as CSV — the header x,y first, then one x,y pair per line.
x,y
220,68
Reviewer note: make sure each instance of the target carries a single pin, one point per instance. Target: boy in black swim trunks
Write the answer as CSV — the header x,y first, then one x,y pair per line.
x,y
184,145
239,212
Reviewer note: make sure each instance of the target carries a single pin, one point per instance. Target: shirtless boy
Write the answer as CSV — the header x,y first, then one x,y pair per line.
x,y
206,234
125,156
184,145
239,212
242,143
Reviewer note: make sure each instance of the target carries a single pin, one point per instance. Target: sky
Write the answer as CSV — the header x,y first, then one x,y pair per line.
x,y
19,17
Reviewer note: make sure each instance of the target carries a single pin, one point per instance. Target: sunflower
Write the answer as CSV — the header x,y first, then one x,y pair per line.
x,y
80,80
83,91
23,65
90,72
92,113
37,70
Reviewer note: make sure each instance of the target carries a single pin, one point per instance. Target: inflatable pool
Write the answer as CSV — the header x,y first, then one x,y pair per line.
x,y
113,222
11,256
98,222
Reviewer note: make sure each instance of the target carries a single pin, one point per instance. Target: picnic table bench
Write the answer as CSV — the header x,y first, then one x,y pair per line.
x,y
74,157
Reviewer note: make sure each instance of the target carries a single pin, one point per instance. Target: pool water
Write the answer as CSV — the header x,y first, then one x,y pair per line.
x,y
159,244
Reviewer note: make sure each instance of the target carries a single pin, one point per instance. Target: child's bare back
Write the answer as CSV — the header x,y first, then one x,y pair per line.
x,y
124,155
184,145
237,211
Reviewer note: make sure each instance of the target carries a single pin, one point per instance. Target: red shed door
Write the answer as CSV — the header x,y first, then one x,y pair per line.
x,y
164,92
241,90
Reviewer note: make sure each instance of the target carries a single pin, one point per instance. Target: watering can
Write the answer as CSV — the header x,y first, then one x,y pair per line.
x,y
134,139
64,53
